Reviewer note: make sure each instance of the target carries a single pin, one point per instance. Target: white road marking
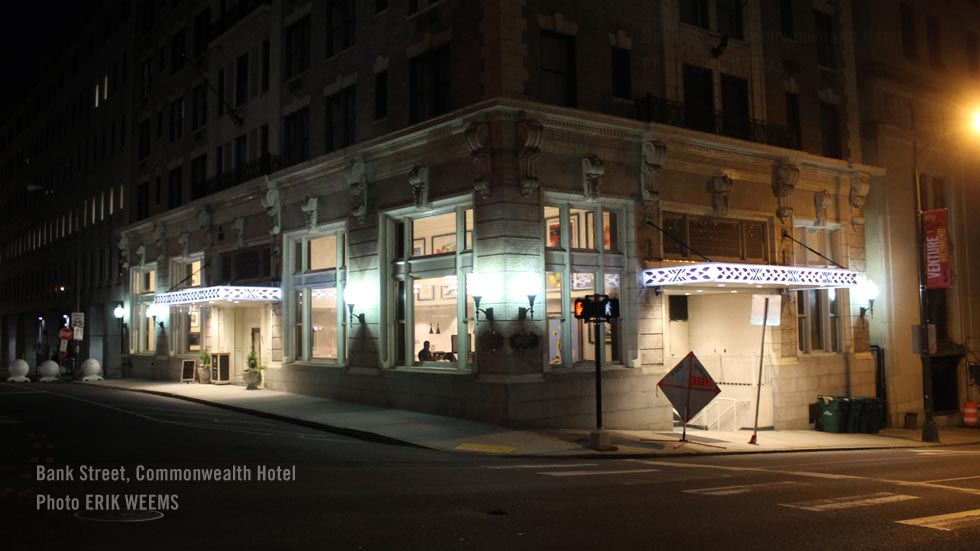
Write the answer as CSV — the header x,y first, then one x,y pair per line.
x,y
696,465
736,490
851,502
946,523
946,452
554,466
950,479
811,474
594,473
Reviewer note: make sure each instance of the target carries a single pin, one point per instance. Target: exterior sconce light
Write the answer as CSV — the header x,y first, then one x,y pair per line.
x,y
488,312
479,285
119,311
528,284
162,328
866,293
355,293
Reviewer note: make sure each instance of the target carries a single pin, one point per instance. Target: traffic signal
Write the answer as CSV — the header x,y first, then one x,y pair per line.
x,y
584,308
610,308
602,307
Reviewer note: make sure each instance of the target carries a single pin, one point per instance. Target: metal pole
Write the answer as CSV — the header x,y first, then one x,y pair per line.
x,y
598,378
930,432
758,386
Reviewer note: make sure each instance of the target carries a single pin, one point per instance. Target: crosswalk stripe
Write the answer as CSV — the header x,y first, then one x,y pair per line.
x,y
735,490
554,466
946,523
812,474
593,473
849,502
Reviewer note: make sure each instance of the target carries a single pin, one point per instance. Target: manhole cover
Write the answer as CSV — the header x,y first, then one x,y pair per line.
x,y
119,516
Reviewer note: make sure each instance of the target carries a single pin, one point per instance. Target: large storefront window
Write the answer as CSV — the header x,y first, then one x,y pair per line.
x,y
583,257
143,283
312,309
187,318
431,259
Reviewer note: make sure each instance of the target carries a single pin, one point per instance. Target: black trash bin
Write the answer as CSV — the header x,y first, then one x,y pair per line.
x,y
875,413
855,413
833,413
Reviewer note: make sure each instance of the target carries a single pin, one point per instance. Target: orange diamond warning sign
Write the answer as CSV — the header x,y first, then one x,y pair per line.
x,y
689,387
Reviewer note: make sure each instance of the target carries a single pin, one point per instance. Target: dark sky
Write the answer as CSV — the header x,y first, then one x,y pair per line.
x,y
32,33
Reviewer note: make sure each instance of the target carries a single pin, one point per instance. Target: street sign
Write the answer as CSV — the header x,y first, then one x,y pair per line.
x,y
689,387
65,334
78,319
759,314
78,333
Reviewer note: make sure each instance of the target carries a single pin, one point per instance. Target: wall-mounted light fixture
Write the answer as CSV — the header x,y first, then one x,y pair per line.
x,y
866,292
355,293
478,286
529,285
119,311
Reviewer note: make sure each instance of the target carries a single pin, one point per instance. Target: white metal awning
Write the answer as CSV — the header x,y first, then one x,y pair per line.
x,y
227,294
749,276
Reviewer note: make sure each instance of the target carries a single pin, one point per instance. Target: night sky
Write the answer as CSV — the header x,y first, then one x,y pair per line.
x,y
31,36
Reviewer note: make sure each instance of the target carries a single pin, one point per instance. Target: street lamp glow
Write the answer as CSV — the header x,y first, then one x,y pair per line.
x,y
976,122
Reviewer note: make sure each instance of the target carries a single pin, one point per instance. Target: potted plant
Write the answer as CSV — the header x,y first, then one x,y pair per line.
x,y
204,369
253,372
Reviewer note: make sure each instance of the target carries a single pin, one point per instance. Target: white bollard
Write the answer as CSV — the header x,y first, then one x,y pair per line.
x,y
18,372
49,371
91,370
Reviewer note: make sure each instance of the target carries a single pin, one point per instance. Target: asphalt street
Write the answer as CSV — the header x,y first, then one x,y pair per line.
x,y
356,494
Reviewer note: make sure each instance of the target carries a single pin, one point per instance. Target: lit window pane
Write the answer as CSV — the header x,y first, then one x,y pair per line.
x,y
553,312
323,253
435,320
581,229
469,229
434,234
583,348
610,231
323,317
298,332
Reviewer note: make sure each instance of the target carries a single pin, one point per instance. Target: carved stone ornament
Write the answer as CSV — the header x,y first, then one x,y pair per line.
x,y
141,253
530,134
273,207
356,176
478,142
240,231
785,179
860,186
821,200
309,208
592,171
123,246
204,225
160,237
184,241
720,188
654,156
418,178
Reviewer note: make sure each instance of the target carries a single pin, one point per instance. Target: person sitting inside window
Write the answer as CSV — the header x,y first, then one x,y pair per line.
x,y
425,355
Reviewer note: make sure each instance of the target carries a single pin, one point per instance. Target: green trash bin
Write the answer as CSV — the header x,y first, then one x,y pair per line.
x,y
874,413
833,413
855,412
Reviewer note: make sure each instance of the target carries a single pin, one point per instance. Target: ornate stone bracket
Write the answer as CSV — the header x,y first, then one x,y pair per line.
x,y
160,237
860,186
592,171
653,158
240,230
418,178
123,246
530,134
478,142
784,181
720,188
309,208
141,253
273,207
356,175
184,241
204,225
821,201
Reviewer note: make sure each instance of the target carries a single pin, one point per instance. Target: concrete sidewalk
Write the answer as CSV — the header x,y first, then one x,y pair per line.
x,y
461,435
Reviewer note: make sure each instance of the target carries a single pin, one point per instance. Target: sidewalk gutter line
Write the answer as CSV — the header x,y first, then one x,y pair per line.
x,y
343,431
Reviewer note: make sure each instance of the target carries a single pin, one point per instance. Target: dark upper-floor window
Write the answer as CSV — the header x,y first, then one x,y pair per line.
x,y
142,200
730,17
380,5
735,106
793,119
907,28
199,110
558,69
699,98
202,23
178,45
175,188
176,119
296,139
340,26
143,151
381,95
934,41
241,79
199,176
787,21
416,5
695,12
297,54
429,86
826,43
264,83
622,85
341,109
830,130
241,152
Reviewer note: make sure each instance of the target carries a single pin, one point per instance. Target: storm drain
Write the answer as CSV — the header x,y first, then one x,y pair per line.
x,y
119,516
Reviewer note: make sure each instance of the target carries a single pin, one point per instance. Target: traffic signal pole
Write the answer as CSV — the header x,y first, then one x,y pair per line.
x,y
599,439
598,379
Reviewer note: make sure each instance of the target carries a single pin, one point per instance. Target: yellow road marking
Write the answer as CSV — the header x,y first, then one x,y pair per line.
x,y
484,448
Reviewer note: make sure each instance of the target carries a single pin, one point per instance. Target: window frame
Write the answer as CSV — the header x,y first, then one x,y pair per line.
x,y
306,281
143,330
